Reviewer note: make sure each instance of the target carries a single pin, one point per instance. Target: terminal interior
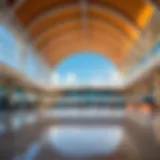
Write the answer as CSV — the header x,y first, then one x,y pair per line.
x,y
46,47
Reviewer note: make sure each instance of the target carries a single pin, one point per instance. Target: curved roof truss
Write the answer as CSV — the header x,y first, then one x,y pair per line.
x,y
62,27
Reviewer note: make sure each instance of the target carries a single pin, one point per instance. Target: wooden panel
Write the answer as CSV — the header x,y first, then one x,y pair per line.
x,y
30,9
57,31
122,45
113,19
65,37
68,41
107,29
50,19
93,33
93,24
137,11
96,41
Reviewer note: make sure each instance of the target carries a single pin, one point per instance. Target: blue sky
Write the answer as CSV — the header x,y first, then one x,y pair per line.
x,y
86,68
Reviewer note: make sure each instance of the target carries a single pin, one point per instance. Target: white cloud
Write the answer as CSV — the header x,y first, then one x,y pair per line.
x,y
71,78
97,81
111,79
55,78
115,78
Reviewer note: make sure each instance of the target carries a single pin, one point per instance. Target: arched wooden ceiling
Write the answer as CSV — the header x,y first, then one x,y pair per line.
x,y
59,28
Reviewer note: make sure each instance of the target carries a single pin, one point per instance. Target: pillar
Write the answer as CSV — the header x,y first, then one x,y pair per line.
x,y
156,87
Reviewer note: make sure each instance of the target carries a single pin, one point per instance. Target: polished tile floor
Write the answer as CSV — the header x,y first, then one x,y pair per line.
x,y
49,139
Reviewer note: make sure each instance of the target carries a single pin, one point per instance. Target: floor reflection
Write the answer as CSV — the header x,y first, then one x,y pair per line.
x,y
84,141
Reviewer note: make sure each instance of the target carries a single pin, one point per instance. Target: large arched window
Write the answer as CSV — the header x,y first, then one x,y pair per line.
x,y
86,68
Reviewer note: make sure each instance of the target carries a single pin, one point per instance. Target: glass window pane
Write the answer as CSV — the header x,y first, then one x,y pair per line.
x,y
8,48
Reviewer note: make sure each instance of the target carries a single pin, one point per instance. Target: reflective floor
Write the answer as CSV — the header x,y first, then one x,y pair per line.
x,y
85,141
33,136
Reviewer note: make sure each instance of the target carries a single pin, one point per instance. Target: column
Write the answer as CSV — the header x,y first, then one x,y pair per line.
x,y
156,85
